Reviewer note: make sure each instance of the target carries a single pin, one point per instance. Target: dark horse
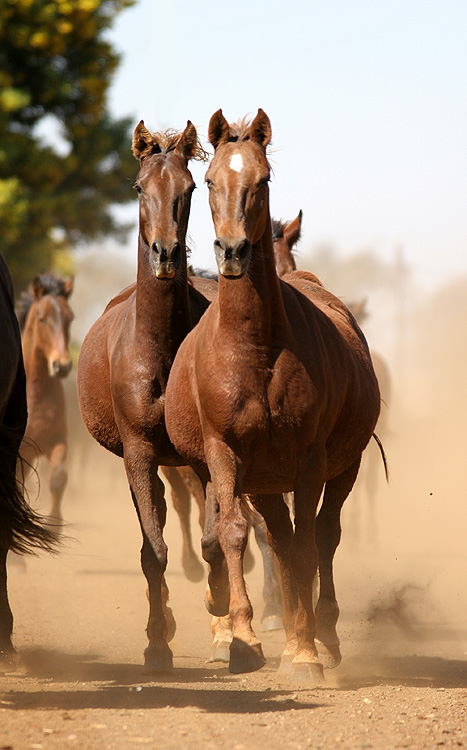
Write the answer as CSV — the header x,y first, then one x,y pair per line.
x,y
272,392
126,357
45,317
21,529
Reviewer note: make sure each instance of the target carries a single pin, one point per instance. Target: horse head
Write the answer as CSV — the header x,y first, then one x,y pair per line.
x,y
237,180
165,185
49,321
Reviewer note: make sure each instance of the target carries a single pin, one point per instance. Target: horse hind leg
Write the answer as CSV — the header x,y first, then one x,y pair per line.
x,y
58,481
271,618
328,534
181,501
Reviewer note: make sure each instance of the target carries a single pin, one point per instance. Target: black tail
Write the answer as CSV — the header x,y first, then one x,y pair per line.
x,y
383,456
21,528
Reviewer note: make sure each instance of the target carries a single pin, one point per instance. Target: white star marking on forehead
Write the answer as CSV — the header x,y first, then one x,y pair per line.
x,y
236,163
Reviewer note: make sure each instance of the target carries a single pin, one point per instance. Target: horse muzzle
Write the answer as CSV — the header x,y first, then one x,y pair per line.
x,y
59,369
232,256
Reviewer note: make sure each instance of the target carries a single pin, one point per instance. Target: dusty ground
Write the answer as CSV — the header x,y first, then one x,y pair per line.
x,y
79,628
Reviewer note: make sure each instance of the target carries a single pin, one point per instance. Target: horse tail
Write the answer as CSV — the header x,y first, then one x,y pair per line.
x,y
22,530
383,455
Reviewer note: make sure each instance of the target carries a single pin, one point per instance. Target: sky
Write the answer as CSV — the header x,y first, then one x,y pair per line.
x,y
368,106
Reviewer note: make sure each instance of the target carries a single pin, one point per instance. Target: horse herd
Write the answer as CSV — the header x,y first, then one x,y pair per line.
x,y
240,391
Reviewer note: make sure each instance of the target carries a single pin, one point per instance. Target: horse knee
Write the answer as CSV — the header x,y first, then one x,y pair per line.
x,y
233,533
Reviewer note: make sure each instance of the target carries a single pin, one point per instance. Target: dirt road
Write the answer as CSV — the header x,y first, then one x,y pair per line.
x,y
80,619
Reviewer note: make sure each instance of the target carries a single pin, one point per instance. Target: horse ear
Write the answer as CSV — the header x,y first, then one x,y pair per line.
x,y
188,143
143,142
68,286
37,287
292,231
219,130
260,129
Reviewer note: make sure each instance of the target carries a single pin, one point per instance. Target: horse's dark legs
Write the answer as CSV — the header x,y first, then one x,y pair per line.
x,y
147,491
181,500
328,534
58,480
280,537
6,617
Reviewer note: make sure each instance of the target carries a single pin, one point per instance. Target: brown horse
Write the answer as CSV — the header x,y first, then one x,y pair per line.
x,y
272,392
126,357
184,484
45,317
21,530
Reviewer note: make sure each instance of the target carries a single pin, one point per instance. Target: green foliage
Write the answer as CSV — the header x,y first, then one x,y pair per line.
x,y
55,70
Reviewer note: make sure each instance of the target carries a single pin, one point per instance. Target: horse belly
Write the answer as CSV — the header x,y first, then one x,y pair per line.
x,y
94,395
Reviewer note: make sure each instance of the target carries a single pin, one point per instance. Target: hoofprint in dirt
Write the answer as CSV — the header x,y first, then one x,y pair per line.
x,y
402,682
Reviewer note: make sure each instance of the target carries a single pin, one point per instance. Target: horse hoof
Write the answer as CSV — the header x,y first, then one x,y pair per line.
x,y
220,651
308,673
245,658
329,655
193,569
272,622
157,660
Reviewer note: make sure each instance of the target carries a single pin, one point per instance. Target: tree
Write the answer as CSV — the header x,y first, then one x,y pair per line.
x,y
55,70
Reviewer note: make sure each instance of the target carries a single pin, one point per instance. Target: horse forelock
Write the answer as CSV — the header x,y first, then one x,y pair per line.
x,y
168,140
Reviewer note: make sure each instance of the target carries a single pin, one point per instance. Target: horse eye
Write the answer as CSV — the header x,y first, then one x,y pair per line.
x,y
209,184
138,189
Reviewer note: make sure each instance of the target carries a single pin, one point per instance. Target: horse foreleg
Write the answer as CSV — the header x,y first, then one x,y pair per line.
x,y
147,491
181,501
217,592
58,480
328,534
6,618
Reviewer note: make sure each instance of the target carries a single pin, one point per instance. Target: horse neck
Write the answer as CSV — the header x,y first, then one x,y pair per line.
x,y
162,306
253,305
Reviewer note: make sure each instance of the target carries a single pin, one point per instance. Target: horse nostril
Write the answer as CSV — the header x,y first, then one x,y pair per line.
x,y
155,248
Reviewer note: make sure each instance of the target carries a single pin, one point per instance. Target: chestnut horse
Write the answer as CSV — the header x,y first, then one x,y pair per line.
x,y
21,530
272,392
45,317
184,484
126,356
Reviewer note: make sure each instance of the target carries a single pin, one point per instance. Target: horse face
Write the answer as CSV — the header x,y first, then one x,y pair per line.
x,y
52,319
239,198
165,186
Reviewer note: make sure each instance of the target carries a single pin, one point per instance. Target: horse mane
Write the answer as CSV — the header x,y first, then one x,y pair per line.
x,y
169,140
51,284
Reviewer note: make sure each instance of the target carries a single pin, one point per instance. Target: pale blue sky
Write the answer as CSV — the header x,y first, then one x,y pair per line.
x,y
368,105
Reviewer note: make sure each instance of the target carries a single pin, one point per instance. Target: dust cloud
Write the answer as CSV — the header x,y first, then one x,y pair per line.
x,y
401,567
